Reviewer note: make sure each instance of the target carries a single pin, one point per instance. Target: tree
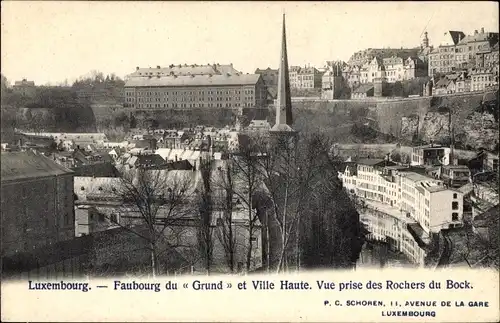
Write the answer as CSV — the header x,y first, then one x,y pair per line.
x,y
206,206
246,177
300,178
331,234
224,185
397,89
155,200
133,121
4,85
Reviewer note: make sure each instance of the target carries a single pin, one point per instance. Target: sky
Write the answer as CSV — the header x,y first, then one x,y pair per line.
x,y
49,42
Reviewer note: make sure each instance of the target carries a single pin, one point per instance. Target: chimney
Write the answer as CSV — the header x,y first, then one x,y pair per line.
x,y
158,66
137,68
482,30
475,32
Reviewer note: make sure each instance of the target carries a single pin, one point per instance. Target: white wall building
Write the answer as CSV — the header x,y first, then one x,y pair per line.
x,y
403,207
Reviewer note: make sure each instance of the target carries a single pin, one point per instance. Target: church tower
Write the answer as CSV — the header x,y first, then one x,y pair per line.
x,y
284,119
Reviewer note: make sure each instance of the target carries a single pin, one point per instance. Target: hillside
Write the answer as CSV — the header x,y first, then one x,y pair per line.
x,y
422,119
51,109
404,121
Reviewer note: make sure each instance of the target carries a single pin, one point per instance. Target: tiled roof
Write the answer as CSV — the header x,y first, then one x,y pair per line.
x,y
23,165
456,36
392,60
185,70
25,83
416,177
195,80
475,38
266,71
97,170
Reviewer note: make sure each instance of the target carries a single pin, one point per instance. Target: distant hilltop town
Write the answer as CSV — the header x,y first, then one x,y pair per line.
x,y
460,63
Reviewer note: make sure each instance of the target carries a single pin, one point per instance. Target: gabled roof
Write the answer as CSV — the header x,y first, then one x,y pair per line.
x,y
456,36
97,170
24,165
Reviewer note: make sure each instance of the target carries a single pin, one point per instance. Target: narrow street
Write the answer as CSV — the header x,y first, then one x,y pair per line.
x,y
378,255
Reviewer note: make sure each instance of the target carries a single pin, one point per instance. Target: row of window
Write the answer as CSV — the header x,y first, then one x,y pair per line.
x,y
188,99
190,105
185,93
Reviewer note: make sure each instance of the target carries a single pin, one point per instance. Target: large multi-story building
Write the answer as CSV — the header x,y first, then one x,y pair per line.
x,y
366,56
203,90
459,51
394,69
25,88
37,202
306,77
374,70
404,206
352,75
269,75
483,79
430,155
332,81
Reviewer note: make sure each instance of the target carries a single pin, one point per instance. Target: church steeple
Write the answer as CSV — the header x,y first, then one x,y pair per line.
x,y
284,119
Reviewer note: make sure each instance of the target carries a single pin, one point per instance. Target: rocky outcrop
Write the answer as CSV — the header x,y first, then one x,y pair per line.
x,y
424,119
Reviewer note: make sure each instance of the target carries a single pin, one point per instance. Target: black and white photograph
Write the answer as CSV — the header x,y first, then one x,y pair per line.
x,y
169,138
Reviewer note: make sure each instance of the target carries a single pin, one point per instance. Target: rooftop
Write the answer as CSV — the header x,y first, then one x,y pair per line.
x,y
416,177
432,187
97,170
24,165
186,69
418,234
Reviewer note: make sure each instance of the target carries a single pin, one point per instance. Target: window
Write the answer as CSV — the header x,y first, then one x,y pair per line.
x,y
101,217
454,195
454,205
454,216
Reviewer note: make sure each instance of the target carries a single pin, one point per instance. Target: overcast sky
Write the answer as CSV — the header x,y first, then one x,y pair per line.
x,y
53,41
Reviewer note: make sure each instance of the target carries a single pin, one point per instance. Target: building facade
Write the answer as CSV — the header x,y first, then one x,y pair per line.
x,y
402,206
332,81
232,91
459,51
25,88
37,202
269,76
483,79
430,155
305,77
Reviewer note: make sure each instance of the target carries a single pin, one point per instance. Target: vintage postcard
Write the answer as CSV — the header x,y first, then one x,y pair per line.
x,y
249,161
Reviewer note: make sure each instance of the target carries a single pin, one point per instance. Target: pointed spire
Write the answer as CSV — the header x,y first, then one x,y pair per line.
x,y
284,101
